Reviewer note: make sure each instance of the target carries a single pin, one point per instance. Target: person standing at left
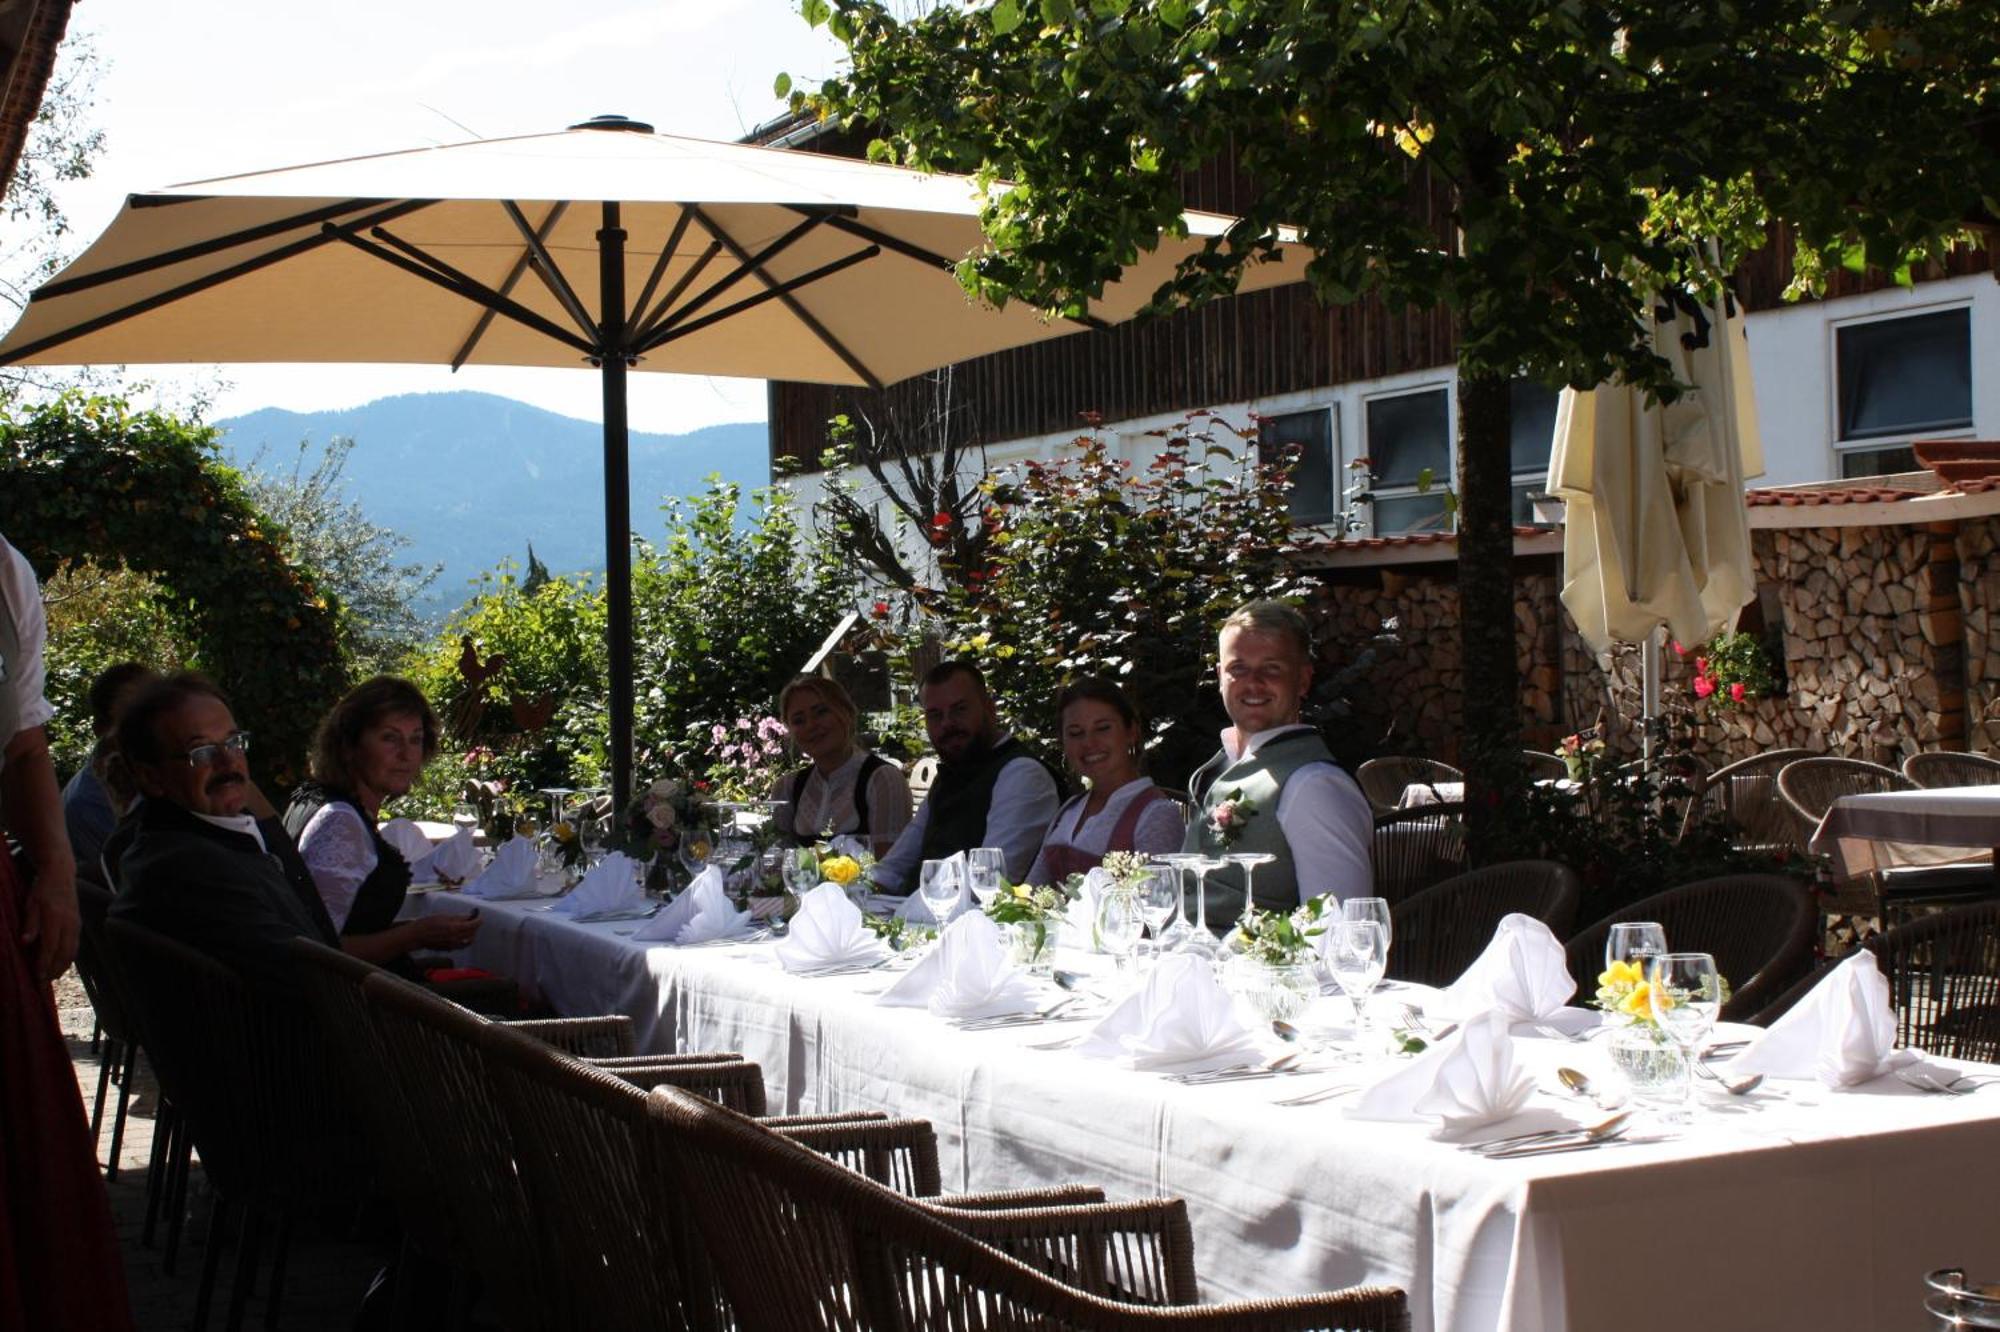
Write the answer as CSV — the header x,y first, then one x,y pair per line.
x,y
59,1263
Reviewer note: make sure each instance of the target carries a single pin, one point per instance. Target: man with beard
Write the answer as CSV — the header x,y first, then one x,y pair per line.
x,y
1274,787
200,866
990,791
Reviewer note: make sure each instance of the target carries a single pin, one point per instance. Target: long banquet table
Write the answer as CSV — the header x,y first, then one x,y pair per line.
x,y
1792,1207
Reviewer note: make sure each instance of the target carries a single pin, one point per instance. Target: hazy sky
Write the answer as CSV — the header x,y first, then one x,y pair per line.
x,y
208,87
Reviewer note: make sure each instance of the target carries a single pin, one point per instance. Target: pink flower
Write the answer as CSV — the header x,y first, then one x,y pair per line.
x,y
1679,651
1701,665
1736,692
743,723
718,733
1225,814
1703,686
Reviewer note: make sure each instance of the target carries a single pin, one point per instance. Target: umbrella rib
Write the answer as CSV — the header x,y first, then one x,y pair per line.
x,y
753,264
667,253
843,221
327,232
485,320
651,324
435,271
783,292
780,292
552,276
262,231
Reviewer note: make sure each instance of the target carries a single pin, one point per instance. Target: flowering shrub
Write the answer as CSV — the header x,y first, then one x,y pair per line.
x,y
1730,671
1581,753
740,759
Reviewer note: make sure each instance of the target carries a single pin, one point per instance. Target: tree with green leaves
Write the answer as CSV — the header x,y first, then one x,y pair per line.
x,y
1540,168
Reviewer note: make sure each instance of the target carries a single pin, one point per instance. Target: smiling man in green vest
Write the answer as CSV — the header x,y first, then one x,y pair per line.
x,y
1274,787
989,791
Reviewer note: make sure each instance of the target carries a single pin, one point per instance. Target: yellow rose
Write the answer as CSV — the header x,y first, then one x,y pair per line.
x,y
842,870
1023,891
563,832
1621,973
699,848
1639,1003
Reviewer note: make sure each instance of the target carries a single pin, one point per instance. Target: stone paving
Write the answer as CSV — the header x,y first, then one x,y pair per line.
x,y
325,1275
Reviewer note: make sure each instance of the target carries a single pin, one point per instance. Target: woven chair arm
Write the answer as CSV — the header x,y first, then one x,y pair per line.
x,y
1138,1252
738,1086
1356,1309
1062,1195
607,1035
900,1154
613,1063
832,1117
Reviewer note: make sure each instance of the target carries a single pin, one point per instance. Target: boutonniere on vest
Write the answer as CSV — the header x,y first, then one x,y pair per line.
x,y
1232,813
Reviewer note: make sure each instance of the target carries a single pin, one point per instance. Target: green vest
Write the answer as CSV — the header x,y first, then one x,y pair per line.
x,y
1260,779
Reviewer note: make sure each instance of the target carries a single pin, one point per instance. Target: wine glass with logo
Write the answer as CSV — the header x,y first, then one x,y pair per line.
x,y
1634,941
1684,992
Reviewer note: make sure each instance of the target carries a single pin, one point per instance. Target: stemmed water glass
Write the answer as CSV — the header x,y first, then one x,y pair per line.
x,y
985,867
1249,860
1684,991
1202,942
1357,956
1634,941
1159,895
939,883
800,868
1120,918
1176,863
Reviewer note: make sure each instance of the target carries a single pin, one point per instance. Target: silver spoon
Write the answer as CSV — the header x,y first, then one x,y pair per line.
x,y
1576,1080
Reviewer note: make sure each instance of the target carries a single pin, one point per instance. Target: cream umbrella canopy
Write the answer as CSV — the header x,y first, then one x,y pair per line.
x,y
1655,533
605,245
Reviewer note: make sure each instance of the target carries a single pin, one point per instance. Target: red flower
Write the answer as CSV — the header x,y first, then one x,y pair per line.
x,y
1679,651
1736,692
881,610
1703,686
1701,665
941,520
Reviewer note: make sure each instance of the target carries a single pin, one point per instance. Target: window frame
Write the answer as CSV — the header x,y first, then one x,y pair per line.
x,y
1442,483
1844,447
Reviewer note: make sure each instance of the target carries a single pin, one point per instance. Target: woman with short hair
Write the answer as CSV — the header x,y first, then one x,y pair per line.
x,y
843,789
1120,809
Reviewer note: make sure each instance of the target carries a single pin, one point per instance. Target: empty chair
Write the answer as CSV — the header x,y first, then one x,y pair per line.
x,y
1946,768
800,1243
1415,848
1758,927
1441,930
1943,971
1745,794
1810,786
1383,780
1544,767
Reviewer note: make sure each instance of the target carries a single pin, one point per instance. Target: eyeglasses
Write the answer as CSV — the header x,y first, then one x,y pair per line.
x,y
202,756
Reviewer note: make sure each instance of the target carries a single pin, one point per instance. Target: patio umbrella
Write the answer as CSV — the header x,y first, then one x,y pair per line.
x,y
1654,531
605,245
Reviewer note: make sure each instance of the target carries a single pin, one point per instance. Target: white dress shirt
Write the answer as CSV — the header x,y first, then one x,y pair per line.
x,y
828,802
23,678
1024,800
1326,819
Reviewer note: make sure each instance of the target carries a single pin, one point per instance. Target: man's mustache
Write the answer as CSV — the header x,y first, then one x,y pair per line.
x,y
226,779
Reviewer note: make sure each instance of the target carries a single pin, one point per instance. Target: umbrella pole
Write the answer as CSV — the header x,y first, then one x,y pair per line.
x,y
613,332
1649,695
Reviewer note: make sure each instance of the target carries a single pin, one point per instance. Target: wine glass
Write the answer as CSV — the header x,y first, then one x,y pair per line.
x,y
1176,863
1358,954
939,883
1202,942
1684,990
801,870
1120,918
1371,908
985,867
1159,895
465,815
1634,941
1249,860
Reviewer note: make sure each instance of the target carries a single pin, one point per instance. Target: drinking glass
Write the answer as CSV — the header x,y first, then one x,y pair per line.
x,y
801,870
1202,942
1371,908
939,883
1634,941
1120,918
1175,863
1159,896
985,867
1685,993
1249,860
1358,954
465,815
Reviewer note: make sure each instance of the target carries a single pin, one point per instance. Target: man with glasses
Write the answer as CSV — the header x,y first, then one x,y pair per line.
x,y
207,863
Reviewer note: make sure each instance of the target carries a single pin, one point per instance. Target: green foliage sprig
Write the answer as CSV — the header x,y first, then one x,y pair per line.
x,y
1280,938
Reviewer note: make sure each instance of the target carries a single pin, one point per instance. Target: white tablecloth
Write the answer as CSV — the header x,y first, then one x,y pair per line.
x,y
1882,830
1803,1209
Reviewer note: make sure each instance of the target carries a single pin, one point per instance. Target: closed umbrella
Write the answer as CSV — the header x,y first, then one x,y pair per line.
x,y
605,245
1655,533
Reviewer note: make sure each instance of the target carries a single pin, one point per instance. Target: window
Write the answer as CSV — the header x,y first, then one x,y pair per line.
x,y
1315,491
1409,457
1534,408
1900,379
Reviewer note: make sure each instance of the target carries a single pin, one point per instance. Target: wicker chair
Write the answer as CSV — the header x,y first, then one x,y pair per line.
x,y
1745,793
1384,779
1944,982
1759,928
800,1243
258,1103
1415,848
1810,786
1944,768
1442,930
1544,767
118,1055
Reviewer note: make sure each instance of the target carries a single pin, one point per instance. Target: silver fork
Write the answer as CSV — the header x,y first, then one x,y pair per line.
x,y
1962,1085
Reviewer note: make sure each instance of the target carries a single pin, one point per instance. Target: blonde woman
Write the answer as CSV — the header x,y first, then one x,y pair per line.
x,y
843,788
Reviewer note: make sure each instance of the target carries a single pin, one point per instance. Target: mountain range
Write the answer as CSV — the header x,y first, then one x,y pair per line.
x,y
472,478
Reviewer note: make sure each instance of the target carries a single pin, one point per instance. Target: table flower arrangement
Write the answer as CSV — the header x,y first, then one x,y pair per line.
x,y
1271,964
1643,1053
1032,915
1581,753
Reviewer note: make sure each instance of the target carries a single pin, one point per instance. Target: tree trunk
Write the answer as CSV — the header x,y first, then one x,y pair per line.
x,y
1490,675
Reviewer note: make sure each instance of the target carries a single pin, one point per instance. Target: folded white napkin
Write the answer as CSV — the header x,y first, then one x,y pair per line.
x,y
1081,914
407,838
612,884
847,844
457,859
915,908
716,917
1181,1021
701,913
1523,974
1843,1032
968,975
1467,1080
827,932
511,874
